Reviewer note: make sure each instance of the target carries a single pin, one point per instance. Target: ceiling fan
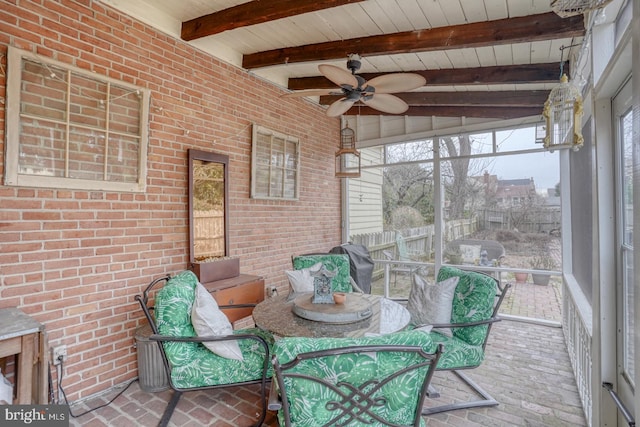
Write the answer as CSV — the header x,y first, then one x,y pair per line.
x,y
376,93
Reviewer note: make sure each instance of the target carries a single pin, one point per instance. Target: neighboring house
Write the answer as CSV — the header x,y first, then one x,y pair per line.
x,y
550,197
515,192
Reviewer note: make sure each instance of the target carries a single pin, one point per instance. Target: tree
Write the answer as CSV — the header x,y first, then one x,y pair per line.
x,y
408,184
408,179
463,193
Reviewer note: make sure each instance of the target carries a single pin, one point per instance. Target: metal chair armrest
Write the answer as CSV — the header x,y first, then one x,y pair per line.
x,y
355,286
232,337
236,306
465,324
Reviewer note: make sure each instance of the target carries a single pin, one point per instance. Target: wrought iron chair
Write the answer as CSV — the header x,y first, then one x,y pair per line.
x,y
189,365
476,303
353,381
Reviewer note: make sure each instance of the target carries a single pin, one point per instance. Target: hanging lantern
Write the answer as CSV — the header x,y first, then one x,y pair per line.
x,y
565,8
563,114
347,157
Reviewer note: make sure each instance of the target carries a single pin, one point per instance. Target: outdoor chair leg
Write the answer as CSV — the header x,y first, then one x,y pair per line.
x,y
171,406
164,421
433,392
487,399
264,402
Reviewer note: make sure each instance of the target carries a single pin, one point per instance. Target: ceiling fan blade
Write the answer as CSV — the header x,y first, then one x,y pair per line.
x,y
338,75
339,107
397,82
386,103
311,92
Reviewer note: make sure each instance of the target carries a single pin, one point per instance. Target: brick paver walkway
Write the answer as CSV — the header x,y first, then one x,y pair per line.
x,y
523,299
534,301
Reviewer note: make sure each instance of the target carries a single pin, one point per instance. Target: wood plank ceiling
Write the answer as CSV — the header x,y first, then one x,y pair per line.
x,y
480,58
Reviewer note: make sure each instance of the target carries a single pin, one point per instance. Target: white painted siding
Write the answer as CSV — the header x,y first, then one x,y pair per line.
x,y
365,196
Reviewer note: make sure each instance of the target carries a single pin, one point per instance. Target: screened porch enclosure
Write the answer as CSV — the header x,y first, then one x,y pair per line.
x,y
490,200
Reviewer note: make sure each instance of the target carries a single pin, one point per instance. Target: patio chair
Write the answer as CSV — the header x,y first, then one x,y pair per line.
x,y
399,267
188,363
338,263
353,381
404,254
474,303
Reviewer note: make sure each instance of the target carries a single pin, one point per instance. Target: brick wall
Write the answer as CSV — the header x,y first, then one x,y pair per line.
x,y
75,259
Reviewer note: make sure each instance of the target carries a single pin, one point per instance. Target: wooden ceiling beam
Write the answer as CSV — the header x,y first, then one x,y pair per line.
x,y
512,74
452,111
514,98
545,26
251,13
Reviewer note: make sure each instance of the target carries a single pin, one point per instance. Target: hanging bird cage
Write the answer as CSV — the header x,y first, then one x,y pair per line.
x,y
563,114
565,8
347,157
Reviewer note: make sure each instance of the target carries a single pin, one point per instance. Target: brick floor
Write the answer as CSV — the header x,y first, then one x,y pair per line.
x,y
534,301
523,299
527,370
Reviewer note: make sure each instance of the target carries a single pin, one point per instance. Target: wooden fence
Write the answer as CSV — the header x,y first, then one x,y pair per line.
x,y
419,241
535,219
208,234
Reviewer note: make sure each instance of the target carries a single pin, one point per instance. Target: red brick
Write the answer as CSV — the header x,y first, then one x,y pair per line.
x,y
106,246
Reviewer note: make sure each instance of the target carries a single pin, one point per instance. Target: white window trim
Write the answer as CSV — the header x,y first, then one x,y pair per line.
x,y
12,176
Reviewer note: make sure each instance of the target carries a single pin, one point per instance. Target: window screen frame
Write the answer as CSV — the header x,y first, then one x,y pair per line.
x,y
279,175
15,119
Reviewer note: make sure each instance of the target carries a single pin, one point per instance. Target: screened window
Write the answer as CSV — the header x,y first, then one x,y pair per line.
x,y
488,198
68,128
626,170
275,165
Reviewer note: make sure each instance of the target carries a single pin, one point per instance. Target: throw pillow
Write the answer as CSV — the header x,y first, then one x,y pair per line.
x,y
207,320
302,280
431,304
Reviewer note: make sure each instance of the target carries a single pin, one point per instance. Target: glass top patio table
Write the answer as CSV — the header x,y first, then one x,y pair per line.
x,y
276,315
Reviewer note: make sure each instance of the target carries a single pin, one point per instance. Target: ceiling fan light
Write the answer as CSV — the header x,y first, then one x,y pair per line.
x,y
566,8
563,114
354,63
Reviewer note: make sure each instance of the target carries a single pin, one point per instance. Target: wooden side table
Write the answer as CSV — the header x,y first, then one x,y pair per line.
x,y
242,289
21,336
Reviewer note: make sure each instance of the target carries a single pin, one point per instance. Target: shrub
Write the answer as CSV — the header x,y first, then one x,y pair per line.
x,y
543,262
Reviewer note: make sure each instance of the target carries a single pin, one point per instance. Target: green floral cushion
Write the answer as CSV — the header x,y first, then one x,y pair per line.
x,y
192,364
310,404
473,300
333,262
458,354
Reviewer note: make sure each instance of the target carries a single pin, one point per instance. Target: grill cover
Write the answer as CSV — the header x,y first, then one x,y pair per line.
x,y
361,264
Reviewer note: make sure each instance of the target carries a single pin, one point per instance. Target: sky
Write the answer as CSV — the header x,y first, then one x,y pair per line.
x,y
543,167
